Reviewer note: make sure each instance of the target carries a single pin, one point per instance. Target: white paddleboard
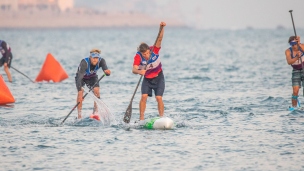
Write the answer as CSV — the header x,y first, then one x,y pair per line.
x,y
159,123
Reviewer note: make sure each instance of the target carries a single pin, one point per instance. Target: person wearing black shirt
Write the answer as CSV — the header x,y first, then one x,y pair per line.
x,y
6,59
87,75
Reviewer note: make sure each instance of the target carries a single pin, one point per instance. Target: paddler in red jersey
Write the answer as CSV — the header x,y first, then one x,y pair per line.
x,y
151,69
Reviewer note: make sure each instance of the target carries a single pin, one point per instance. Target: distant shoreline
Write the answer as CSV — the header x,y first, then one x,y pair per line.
x,y
74,19
88,19
92,28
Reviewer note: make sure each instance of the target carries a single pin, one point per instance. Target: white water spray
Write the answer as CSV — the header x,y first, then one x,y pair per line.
x,y
106,116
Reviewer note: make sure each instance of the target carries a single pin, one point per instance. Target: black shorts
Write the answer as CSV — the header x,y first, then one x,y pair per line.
x,y
6,60
89,82
157,84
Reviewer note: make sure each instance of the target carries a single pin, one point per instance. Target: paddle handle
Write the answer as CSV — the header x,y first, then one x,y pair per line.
x,y
294,28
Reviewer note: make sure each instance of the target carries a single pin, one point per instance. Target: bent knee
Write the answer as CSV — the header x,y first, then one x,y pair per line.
x,y
96,90
296,89
144,97
159,98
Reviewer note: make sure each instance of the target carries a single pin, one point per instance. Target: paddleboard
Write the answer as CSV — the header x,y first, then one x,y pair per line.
x,y
159,123
295,108
298,107
95,116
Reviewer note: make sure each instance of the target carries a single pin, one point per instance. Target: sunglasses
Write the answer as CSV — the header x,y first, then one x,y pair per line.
x,y
293,43
94,53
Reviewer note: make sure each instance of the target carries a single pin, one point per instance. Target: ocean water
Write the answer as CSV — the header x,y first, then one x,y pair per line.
x,y
228,92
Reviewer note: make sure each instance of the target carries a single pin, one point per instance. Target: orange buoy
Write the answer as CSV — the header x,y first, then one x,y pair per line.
x,y
6,96
51,70
95,116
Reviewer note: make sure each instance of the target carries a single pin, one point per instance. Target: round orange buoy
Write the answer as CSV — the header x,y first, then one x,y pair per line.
x,y
51,70
95,117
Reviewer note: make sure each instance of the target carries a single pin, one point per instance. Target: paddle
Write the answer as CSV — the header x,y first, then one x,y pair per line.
x,y
294,29
128,113
82,98
22,74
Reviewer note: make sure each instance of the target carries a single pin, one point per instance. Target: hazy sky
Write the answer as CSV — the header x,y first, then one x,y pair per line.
x,y
226,14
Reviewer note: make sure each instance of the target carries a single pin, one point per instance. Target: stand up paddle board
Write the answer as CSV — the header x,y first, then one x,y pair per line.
x,y
159,123
95,116
298,107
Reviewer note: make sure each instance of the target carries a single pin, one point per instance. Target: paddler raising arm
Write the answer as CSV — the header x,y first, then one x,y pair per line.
x,y
151,69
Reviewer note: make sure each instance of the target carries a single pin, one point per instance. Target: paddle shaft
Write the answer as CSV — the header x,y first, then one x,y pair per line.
x,y
127,116
82,98
22,74
294,29
299,47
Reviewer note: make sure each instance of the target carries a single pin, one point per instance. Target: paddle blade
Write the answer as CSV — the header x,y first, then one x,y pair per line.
x,y
128,114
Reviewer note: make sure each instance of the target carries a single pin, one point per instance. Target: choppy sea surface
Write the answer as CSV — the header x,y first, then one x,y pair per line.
x,y
228,92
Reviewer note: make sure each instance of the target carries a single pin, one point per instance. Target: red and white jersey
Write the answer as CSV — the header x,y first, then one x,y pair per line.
x,y
153,65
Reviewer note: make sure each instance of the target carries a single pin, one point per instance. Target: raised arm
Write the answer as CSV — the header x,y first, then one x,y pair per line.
x,y
160,38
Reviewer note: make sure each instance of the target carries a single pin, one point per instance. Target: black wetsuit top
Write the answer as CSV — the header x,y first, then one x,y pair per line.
x,y
82,71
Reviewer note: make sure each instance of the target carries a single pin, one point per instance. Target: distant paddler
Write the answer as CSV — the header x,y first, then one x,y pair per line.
x,y
6,59
294,56
147,63
87,75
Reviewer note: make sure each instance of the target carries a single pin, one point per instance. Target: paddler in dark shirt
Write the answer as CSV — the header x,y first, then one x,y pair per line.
x,y
87,74
6,59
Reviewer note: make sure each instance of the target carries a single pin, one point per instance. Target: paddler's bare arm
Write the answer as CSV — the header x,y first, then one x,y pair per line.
x,y
136,71
160,38
289,59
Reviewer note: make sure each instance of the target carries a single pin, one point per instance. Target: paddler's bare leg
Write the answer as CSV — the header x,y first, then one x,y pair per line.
x,y
79,99
97,94
160,105
294,99
6,69
142,106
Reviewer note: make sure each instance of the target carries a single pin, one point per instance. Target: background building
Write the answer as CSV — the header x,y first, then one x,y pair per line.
x,y
8,5
16,5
